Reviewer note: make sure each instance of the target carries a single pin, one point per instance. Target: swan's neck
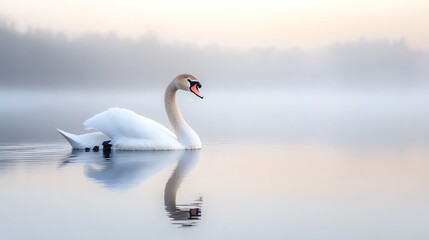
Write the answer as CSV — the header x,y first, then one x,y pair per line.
x,y
185,134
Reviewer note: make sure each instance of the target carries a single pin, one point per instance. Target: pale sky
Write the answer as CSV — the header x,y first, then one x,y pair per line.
x,y
242,23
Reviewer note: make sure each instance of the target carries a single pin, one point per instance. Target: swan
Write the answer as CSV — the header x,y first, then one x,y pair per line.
x,y
127,130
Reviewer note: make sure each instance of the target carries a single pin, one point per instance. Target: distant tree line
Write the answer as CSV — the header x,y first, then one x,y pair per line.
x,y
41,58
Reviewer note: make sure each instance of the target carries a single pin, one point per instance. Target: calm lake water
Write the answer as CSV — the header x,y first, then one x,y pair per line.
x,y
283,166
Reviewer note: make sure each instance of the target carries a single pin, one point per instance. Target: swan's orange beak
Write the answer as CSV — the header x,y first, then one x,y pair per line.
x,y
194,89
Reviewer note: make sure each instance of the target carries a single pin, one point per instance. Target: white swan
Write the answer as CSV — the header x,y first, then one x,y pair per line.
x,y
130,131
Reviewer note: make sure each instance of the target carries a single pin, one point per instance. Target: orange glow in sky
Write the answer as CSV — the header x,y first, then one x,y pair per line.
x,y
282,24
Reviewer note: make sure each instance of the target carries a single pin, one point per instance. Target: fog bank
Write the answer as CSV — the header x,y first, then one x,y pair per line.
x,y
41,58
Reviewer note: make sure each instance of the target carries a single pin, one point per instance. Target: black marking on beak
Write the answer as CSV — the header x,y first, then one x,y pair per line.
x,y
196,85
192,83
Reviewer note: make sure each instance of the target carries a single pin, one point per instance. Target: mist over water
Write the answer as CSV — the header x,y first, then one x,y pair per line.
x,y
354,118
343,92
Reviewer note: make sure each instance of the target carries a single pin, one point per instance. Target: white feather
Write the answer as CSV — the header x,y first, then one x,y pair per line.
x,y
130,131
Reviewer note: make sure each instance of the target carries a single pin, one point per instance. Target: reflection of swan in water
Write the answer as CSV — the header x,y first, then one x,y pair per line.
x,y
182,213
124,170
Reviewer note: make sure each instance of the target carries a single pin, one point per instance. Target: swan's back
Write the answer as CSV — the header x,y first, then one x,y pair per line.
x,y
130,131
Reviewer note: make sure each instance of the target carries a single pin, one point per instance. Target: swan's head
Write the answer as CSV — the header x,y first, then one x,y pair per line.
x,y
188,82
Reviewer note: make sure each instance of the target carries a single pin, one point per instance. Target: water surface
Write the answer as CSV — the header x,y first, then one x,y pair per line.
x,y
249,191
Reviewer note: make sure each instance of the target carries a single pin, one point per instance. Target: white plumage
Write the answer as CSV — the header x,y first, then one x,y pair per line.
x,y
130,131
83,141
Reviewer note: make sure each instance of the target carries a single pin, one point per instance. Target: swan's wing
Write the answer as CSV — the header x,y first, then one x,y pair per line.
x,y
131,131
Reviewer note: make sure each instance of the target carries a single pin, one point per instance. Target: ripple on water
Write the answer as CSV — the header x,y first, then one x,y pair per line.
x,y
14,154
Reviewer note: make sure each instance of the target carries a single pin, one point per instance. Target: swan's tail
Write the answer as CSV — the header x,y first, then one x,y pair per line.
x,y
83,141
71,138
